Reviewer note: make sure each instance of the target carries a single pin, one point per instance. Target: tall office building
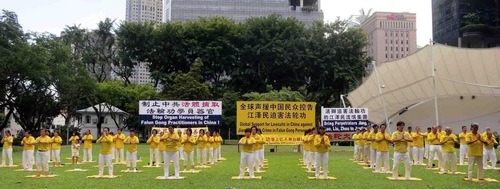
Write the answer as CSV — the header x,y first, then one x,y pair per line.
x,y
391,35
452,27
306,11
144,11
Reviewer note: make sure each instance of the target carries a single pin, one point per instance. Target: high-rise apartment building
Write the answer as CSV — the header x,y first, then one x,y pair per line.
x,y
144,11
391,35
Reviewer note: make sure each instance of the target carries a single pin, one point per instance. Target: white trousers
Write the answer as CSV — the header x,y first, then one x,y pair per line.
x,y
356,150
211,155
261,157
7,153
373,157
188,156
367,152
418,155
305,157
154,154
119,158
28,159
113,154
426,150
105,159
311,160
42,161
395,166
246,160
322,161
475,160
87,154
435,150
410,153
201,156
132,159
56,155
181,153
492,157
220,152
256,160
167,156
463,153
382,156
450,160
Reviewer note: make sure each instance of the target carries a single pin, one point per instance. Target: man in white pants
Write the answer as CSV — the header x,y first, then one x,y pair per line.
x,y
247,158
435,148
7,141
181,147
132,142
105,154
373,146
489,151
383,139
475,144
322,144
401,139
42,156
28,143
418,146
87,146
450,158
463,144
171,152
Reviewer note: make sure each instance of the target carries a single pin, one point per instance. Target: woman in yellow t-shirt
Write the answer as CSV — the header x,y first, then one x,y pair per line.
x,y
28,143
56,149
322,145
188,142
154,153
210,146
201,148
7,141
247,158
132,142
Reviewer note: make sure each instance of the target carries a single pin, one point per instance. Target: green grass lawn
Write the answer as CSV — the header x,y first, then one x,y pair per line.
x,y
283,172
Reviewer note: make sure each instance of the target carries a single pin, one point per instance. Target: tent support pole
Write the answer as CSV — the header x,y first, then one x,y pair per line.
x,y
380,95
433,63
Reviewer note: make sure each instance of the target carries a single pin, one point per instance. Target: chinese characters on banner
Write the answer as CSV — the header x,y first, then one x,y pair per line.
x,y
341,123
282,123
155,112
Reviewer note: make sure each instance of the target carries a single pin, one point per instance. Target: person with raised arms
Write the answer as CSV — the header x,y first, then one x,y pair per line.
x,y
201,148
418,146
154,153
463,145
105,154
188,143
383,140
322,144
119,146
401,140
28,143
132,142
171,152
247,158
450,158
475,151
489,151
87,146
42,156
56,149
373,146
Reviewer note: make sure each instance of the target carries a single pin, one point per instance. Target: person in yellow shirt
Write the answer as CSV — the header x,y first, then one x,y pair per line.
x,y
42,156
312,152
201,148
259,152
154,152
475,151
448,141
383,139
171,152
486,131
132,142
256,147
305,147
247,158
188,143
217,142
435,148
180,146
366,148
56,149
463,144
119,146
161,145
373,146
74,139
87,146
357,140
361,147
401,140
220,145
418,146
7,141
427,143
489,151
28,143
113,145
105,154
411,145
210,147
322,144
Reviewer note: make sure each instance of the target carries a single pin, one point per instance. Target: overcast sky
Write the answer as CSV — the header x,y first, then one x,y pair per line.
x,y
53,15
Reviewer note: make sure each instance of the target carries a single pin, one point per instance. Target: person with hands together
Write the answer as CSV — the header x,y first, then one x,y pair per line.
x,y
401,140
383,139
475,151
42,156
448,141
247,158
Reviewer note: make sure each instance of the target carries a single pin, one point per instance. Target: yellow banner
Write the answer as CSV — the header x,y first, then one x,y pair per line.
x,y
284,120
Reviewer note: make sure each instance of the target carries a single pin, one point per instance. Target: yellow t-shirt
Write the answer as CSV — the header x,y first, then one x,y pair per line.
x,y
105,142
179,143
383,146
366,136
462,136
247,144
427,141
401,146
153,142
87,141
311,143
259,140
321,143
418,140
449,146
119,138
73,140
373,144
411,144
113,143
362,141
491,142
171,143
476,148
356,139
161,145
433,138
188,143
132,143
28,143
210,142
7,142
56,143
201,142
304,143
47,142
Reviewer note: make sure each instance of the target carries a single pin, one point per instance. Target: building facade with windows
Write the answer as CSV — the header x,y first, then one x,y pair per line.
x,y
391,35
144,11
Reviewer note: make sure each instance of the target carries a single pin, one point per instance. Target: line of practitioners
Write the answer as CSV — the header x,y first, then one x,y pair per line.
x,y
315,154
373,147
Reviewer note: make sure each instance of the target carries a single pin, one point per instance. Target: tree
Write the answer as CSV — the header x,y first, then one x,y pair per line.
x,y
189,86
285,94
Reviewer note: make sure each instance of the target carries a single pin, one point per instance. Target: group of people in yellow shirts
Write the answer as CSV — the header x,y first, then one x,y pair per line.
x,y
316,151
252,154
172,145
441,146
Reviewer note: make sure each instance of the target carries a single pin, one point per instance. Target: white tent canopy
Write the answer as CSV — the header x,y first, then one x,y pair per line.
x,y
467,87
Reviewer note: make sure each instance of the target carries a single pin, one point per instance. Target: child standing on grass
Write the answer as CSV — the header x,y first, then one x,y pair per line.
x,y
247,158
75,149
322,144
